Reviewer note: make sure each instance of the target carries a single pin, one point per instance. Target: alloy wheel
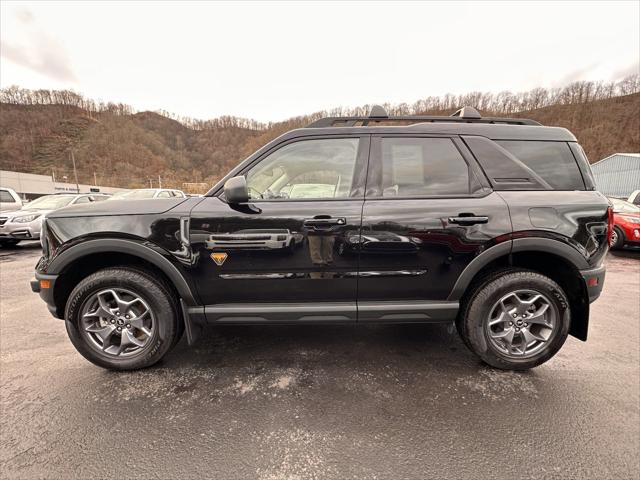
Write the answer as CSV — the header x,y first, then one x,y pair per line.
x,y
521,323
117,322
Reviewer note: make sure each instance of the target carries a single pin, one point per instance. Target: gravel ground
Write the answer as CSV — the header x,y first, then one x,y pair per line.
x,y
325,402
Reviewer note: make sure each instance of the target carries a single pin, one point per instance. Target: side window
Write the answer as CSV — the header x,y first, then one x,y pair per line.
x,y
309,169
553,161
164,194
82,200
417,167
6,197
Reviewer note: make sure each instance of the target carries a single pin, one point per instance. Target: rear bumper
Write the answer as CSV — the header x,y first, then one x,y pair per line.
x,y
594,281
45,290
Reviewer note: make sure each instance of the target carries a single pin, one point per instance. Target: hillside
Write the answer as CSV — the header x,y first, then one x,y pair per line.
x,y
126,149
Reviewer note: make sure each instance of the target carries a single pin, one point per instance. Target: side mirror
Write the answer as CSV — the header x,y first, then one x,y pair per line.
x,y
236,191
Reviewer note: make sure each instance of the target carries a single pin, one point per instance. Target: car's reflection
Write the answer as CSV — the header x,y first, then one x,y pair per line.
x,y
378,242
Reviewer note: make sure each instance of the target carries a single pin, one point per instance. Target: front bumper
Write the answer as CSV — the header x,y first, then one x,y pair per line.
x,y
44,285
594,281
20,231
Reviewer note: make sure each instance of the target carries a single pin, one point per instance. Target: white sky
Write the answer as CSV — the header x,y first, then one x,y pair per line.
x,y
271,61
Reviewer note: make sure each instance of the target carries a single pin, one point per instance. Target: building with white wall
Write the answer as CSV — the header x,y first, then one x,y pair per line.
x,y
30,185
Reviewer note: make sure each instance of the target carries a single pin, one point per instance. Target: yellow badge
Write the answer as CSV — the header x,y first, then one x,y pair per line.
x,y
219,258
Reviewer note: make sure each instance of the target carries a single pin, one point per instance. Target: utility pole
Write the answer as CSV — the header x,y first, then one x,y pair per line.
x,y
95,179
159,182
150,183
75,172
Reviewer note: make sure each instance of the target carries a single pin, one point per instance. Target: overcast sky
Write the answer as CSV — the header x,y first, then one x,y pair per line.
x,y
271,61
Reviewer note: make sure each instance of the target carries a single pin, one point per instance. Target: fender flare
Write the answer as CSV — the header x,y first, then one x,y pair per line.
x,y
531,244
147,252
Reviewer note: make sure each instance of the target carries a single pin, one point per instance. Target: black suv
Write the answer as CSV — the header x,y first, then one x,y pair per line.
x,y
491,223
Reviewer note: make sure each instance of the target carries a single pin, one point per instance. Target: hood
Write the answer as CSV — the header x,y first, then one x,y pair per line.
x,y
23,212
118,207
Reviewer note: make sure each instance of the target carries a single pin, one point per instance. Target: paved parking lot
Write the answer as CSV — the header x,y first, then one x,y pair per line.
x,y
319,402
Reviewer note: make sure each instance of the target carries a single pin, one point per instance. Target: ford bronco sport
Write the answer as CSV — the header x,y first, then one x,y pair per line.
x,y
491,223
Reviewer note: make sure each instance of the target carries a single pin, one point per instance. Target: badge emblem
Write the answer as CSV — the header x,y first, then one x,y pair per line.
x,y
219,258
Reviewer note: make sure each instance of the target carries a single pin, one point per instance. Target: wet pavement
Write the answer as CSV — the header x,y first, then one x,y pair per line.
x,y
319,402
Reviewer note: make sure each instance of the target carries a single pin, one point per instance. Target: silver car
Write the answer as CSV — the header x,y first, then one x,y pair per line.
x,y
26,223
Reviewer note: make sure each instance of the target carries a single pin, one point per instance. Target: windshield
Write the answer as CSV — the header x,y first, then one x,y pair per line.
x,y
134,194
50,202
623,207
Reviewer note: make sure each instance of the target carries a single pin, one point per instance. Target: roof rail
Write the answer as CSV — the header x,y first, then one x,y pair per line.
x,y
379,114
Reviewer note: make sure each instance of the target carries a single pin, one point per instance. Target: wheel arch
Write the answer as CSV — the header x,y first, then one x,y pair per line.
x,y
83,259
552,258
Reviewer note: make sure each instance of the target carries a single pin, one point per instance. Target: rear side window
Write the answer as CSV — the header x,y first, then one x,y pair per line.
x,y
553,161
6,197
418,167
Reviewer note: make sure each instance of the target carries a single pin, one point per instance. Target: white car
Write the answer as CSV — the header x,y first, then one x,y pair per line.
x,y
9,200
634,197
142,193
26,223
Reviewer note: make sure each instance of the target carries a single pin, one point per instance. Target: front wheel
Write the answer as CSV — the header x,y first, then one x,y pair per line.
x,y
122,319
515,321
617,239
9,243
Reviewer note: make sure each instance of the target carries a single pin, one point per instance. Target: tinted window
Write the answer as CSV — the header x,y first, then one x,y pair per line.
x,y
82,200
164,194
414,167
310,169
553,161
6,197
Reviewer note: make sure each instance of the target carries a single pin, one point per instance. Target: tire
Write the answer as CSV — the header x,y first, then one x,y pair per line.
x,y
617,239
9,243
164,329
491,300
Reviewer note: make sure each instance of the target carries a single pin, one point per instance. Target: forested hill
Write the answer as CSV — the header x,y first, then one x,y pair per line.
x,y
39,129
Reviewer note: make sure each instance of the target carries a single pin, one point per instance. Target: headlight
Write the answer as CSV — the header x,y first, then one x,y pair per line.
x,y
26,218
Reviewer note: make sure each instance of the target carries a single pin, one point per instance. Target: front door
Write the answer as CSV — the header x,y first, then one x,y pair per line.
x,y
425,217
285,255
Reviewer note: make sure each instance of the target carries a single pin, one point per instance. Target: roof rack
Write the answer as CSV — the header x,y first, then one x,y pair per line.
x,y
379,114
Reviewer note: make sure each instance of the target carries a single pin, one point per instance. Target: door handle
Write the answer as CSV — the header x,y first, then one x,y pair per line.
x,y
468,219
324,222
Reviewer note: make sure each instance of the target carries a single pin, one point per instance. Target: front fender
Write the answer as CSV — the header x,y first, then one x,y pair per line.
x,y
139,248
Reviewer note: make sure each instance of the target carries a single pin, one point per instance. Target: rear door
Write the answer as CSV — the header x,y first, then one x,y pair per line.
x,y
282,256
428,212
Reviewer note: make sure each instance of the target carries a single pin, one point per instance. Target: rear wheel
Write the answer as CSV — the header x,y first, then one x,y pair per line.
x,y
122,319
515,321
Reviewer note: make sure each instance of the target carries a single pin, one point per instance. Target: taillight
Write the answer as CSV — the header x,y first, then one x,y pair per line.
x,y
609,225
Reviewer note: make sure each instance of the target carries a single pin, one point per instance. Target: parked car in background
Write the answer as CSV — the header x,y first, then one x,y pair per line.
x,y
25,223
9,200
634,197
626,224
142,193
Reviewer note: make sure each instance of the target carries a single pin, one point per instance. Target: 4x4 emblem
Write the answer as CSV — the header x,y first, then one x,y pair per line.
x,y
219,258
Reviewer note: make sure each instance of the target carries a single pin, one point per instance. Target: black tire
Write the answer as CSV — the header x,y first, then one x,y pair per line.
x,y
9,243
618,239
160,300
476,310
